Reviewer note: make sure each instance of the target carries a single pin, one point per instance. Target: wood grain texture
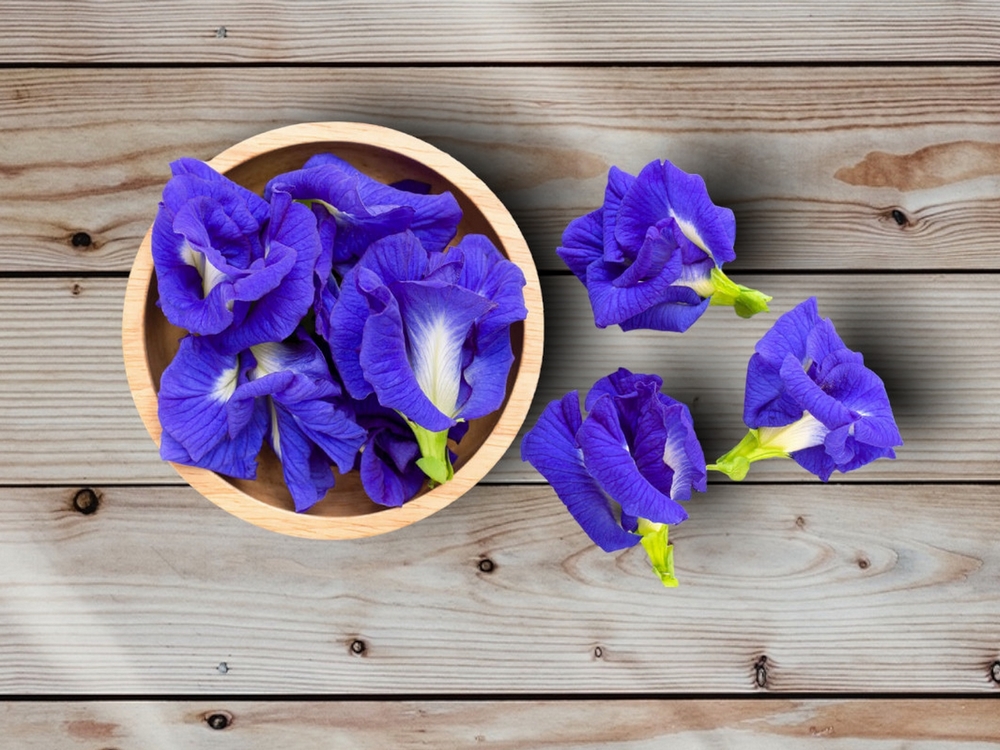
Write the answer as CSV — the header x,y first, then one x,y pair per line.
x,y
497,31
66,415
814,161
950,724
802,588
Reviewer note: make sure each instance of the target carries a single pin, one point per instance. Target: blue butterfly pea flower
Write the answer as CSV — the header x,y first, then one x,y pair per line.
x,y
228,262
388,465
810,398
428,333
203,425
623,470
217,408
652,255
353,210
307,427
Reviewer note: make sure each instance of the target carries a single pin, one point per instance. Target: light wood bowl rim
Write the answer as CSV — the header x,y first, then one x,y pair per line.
x,y
259,513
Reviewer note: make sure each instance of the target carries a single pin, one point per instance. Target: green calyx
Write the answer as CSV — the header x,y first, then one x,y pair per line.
x,y
434,460
310,202
661,554
736,463
746,301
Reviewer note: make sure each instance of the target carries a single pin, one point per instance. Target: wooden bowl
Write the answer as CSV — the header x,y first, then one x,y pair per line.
x,y
150,342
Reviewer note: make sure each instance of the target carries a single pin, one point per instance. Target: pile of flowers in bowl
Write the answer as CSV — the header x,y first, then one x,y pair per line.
x,y
331,320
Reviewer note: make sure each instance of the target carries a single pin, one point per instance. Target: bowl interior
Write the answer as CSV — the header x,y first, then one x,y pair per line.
x,y
347,498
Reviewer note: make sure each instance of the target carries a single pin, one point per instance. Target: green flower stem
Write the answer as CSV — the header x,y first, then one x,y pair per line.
x,y
434,461
661,554
746,301
736,463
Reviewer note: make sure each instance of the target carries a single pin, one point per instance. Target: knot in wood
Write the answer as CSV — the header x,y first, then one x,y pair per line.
x,y
995,672
486,565
81,239
760,668
358,647
218,720
86,502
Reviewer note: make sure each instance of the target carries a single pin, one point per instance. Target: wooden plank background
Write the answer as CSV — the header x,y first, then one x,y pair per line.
x,y
823,588
502,31
859,146
814,161
67,408
954,724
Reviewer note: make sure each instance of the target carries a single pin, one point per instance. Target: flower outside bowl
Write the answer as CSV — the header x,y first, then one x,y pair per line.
x,y
150,342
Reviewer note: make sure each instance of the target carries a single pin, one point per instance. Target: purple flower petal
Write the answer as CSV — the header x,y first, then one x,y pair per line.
x,y
307,429
677,310
195,389
206,174
281,289
307,471
382,484
412,349
484,379
607,458
583,243
789,334
388,466
622,385
658,430
617,293
550,446
196,411
816,461
766,403
365,210
619,183
487,273
435,217
667,451
180,283
233,458
663,191
808,394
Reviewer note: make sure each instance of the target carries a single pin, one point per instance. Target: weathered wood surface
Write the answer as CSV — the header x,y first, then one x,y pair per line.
x,y
950,724
806,588
497,31
66,415
814,161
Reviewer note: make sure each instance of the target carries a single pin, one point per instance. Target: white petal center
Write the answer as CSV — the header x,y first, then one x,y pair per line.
x,y
275,432
689,231
805,433
697,280
225,385
436,358
268,358
210,275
